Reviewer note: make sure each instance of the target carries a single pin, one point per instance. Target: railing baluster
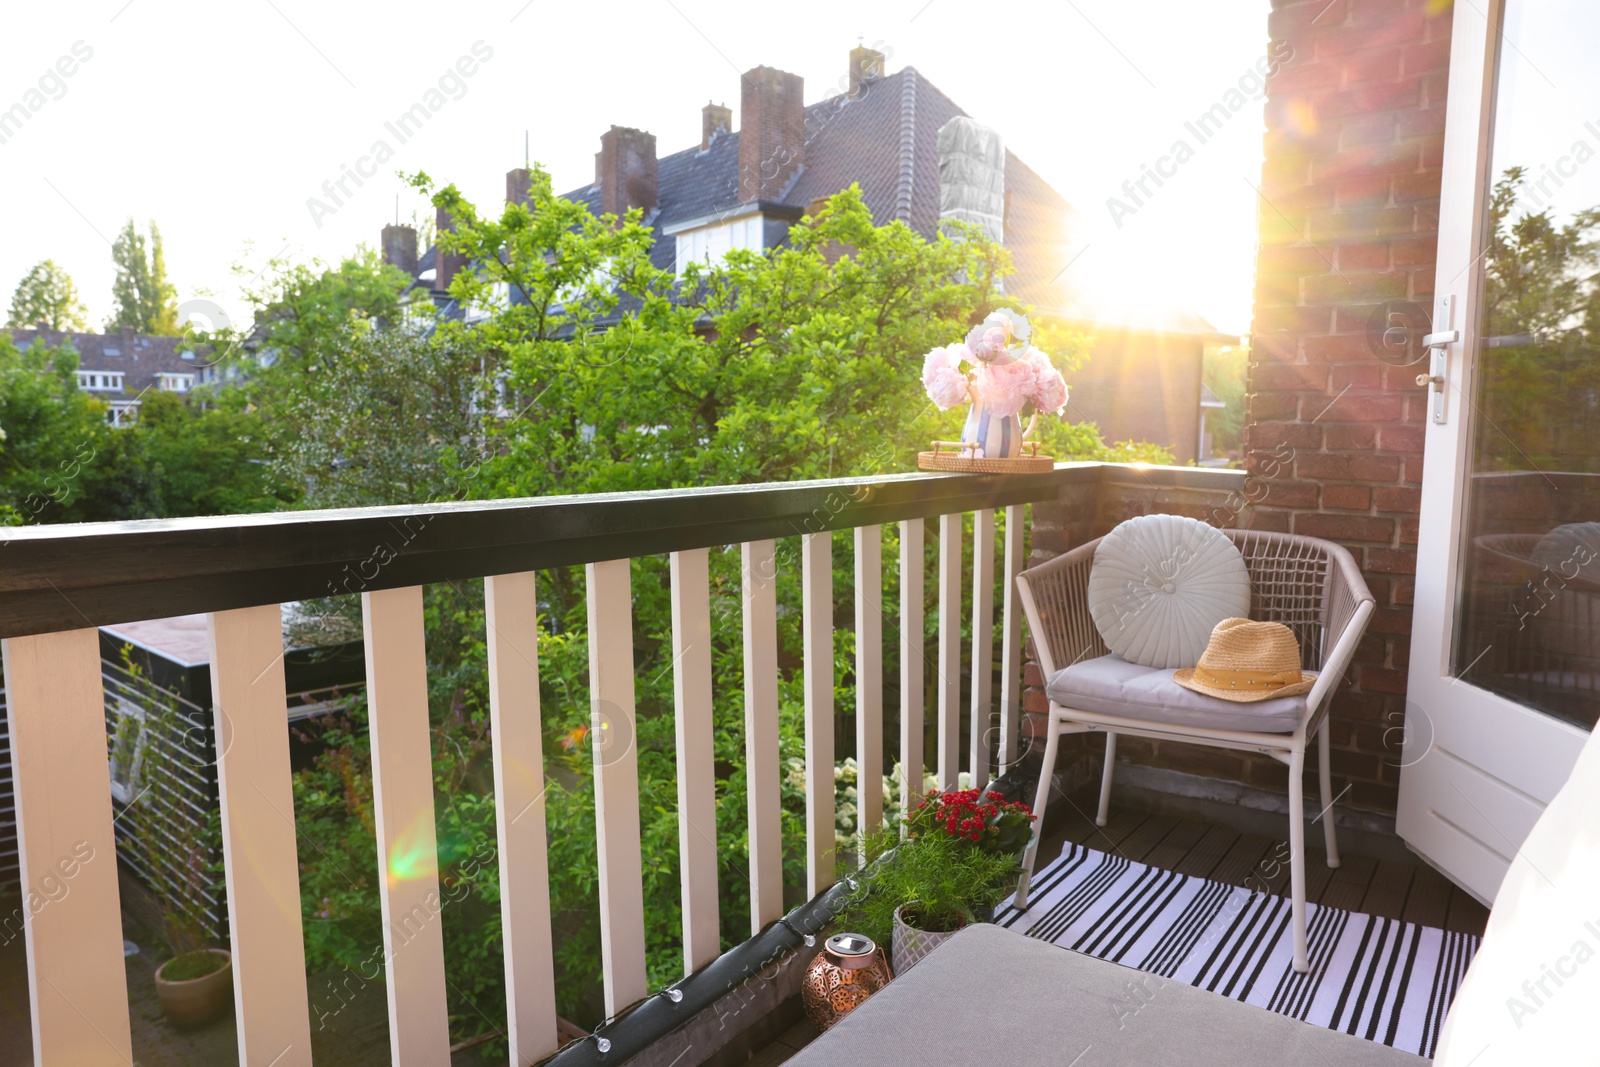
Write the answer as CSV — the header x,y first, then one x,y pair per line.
x,y
612,737
949,650
913,666
697,800
762,769
816,555
61,780
511,611
1011,641
258,837
408,852
979,737
869,680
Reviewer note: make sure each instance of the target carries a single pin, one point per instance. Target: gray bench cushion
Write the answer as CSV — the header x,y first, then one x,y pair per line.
x,y
1110,685
992,997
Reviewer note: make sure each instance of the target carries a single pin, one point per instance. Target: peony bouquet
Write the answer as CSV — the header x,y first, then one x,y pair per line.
x,y
997,368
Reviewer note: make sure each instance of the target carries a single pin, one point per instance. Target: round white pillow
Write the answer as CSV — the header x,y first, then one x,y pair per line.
x,y
1158,586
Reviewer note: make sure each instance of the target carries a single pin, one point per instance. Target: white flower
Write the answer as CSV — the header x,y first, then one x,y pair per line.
x,y
1013,322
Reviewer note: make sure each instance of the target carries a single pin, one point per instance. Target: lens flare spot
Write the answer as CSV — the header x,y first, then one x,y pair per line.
x,y
414,855
1302,118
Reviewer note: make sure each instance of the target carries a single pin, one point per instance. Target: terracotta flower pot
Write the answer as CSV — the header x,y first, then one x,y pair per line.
x,y
196,1002
908,945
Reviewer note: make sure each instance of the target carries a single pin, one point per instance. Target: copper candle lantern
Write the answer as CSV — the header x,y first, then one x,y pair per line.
x,y
848,970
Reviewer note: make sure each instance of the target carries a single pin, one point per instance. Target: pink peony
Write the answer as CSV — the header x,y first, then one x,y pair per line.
x,y
1049,390
1050,393
942,377
1006,387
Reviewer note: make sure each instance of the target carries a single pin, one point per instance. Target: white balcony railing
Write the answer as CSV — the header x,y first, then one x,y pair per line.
x,y
58,584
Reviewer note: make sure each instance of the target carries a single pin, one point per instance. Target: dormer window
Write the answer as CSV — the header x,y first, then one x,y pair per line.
x,y
175,383
100,381
709,238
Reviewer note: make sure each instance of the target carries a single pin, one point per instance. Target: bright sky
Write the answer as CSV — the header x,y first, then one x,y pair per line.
x,y
219,121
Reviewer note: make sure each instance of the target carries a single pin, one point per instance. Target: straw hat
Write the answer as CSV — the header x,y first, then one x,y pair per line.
x,y
1248,661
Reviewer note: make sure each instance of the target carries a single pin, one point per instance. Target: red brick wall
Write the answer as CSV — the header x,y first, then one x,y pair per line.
x,y
1349,216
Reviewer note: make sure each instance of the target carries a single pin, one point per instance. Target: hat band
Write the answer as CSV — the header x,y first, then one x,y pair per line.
x,y
1222,678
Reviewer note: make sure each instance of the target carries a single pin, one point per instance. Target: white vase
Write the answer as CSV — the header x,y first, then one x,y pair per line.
x,y
908,945
996,436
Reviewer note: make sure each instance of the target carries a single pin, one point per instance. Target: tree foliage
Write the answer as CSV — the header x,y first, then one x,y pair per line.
x,y
47,295
143,300
61,462
1540,375
567,363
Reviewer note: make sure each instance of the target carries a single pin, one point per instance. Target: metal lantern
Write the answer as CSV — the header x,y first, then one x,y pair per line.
x,y
848,970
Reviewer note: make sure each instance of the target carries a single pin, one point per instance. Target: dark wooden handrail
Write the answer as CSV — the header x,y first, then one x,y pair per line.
x,y
70,576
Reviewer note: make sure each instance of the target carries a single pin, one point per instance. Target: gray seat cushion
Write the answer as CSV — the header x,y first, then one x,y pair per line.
x,y
1110,685
1043,1005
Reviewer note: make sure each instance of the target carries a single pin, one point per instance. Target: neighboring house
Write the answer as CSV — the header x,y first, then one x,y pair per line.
x,y
918,158
120,368
173,659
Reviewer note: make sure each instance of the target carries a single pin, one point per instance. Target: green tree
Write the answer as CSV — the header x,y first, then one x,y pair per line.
x,y
207,460
1542,315
47,295
59,460
144,300
1224,372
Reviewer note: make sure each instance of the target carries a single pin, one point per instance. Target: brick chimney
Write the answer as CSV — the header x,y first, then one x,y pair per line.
x,y
518,182
400,248
772,132
627,170
714,118
865,65
445,264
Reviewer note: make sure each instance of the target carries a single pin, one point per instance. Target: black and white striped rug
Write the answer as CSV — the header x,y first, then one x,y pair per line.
x,y
1381,979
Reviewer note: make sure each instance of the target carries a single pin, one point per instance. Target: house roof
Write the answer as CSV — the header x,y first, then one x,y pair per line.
x,y
884,138
139,357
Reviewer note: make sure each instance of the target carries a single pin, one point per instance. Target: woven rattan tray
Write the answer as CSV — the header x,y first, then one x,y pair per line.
x,y
954,456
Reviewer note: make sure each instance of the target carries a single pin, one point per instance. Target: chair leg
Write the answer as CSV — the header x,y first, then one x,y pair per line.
x,y
1105,778
1046,769
1297,857
1326,777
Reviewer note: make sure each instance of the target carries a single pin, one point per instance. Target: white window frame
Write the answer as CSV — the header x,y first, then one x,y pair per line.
x,y
100,381
711,244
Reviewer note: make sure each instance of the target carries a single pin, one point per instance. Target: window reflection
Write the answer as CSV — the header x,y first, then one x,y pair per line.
x,y
1530,607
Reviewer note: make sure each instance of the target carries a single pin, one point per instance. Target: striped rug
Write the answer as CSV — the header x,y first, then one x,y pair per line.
x,y
1382,979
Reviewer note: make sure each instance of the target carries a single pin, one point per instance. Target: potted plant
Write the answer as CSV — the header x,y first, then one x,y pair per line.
x,y
171,849
961,856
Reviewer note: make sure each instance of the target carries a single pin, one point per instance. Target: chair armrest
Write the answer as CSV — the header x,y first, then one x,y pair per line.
x,y
1055,599
1349,606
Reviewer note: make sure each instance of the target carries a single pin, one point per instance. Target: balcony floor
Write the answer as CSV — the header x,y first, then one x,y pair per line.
x,y
1387,888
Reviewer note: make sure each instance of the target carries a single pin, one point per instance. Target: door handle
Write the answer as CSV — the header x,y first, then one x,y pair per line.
x,y
1437,344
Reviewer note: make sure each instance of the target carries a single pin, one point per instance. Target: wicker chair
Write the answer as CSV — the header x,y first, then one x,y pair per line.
x,y
1310,585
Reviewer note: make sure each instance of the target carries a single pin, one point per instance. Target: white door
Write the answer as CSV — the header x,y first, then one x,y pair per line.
x,y
1505,647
